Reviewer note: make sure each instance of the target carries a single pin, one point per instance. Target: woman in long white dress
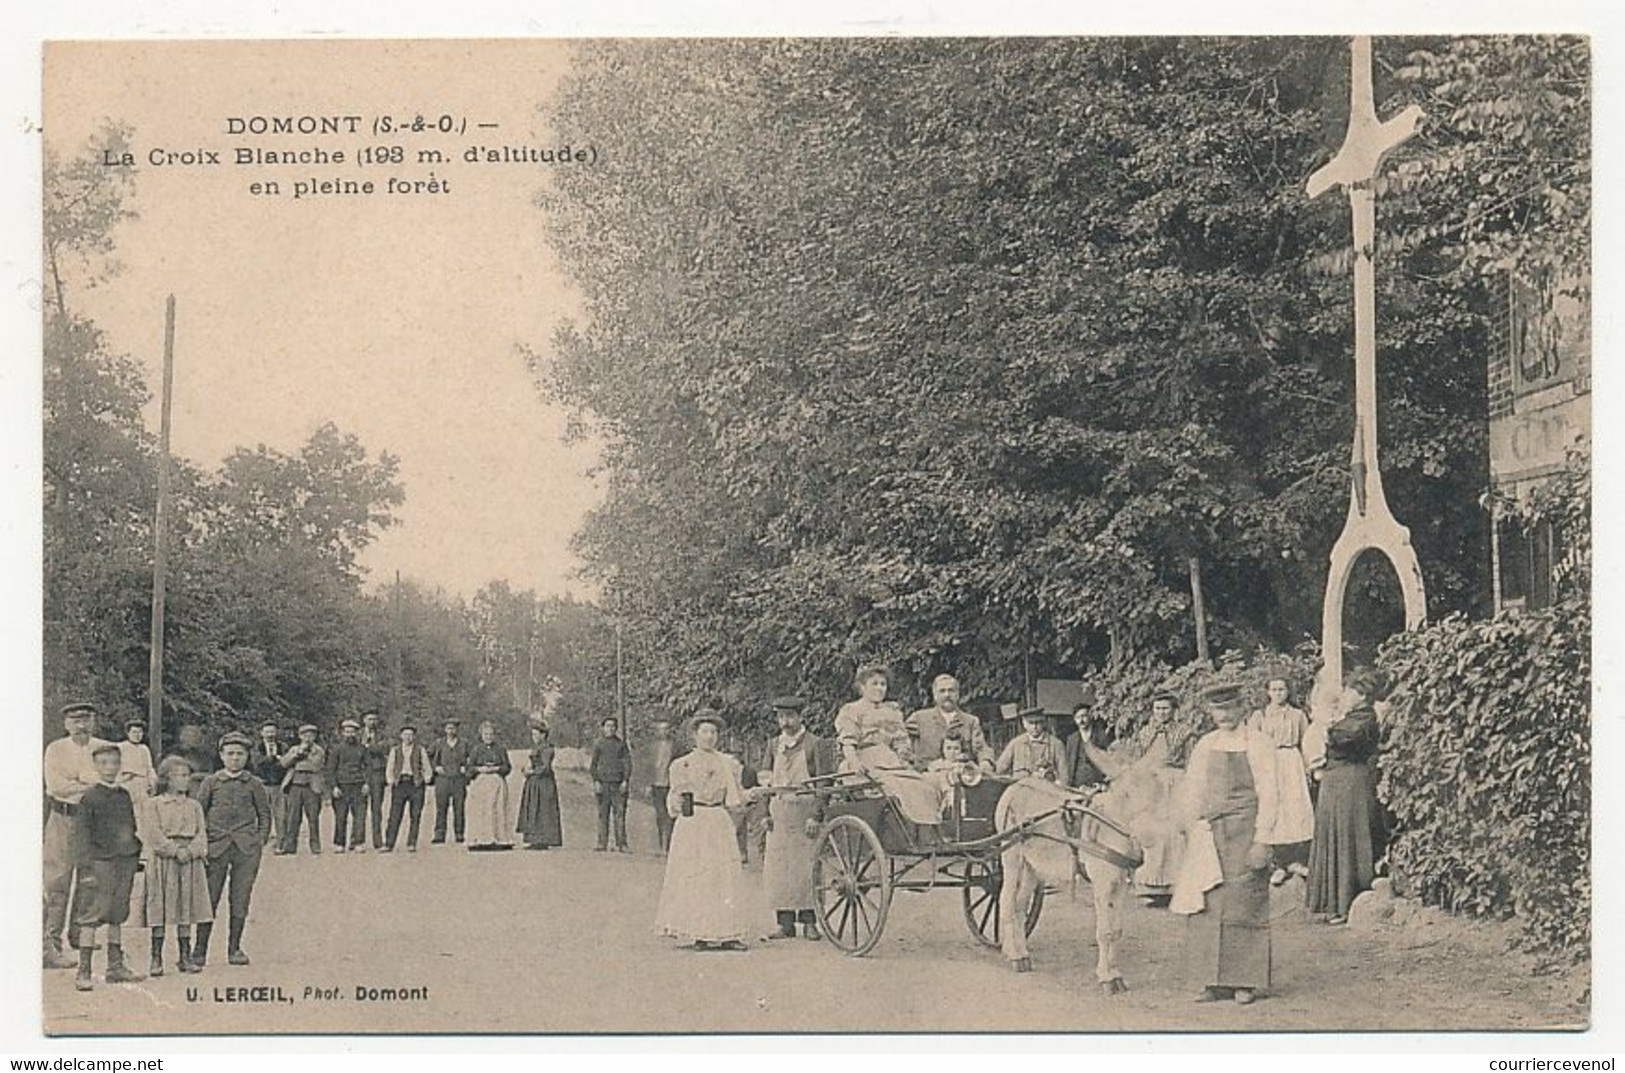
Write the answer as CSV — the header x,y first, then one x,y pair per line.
x,y
875,742
702,900
488,816
1283,727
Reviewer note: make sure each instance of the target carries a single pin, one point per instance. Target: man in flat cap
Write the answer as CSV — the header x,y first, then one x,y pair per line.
x,y
1037,752
377,742
136,773
69,772
303,780
792,820
346,774
237,815
930,727
449,756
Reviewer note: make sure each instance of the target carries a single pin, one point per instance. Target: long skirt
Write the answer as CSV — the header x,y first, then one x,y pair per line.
x,y
1228,942
1294,815
1348,839
176,894
788,863
488,811
703,897
919,800
539,811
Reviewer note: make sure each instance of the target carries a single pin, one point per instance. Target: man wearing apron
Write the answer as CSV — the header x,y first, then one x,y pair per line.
x,y
787,869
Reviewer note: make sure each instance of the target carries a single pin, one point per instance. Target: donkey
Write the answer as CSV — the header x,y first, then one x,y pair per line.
x,y
1140,798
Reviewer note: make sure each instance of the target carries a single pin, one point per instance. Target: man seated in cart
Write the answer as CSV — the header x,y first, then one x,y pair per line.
x,y
875,743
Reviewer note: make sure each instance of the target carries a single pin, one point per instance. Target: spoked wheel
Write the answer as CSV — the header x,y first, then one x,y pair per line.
x,y
980,896
852,882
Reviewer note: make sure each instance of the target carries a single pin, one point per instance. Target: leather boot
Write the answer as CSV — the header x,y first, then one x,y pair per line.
x,y
155,961
117,971
83,982
184,962
200,949
234,944
56,918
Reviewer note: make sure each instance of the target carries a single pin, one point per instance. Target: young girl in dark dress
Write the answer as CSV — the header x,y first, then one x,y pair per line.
x,y
539,803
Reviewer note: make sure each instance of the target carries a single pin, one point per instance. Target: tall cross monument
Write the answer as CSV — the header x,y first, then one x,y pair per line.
x,y
1370,525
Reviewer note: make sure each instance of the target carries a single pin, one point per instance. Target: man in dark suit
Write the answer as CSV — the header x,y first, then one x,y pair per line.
x,y
266,763
610,769
1085,750
376,741
449,756
346,780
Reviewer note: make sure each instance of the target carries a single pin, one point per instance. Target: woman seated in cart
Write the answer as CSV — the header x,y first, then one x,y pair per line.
x,y
874,742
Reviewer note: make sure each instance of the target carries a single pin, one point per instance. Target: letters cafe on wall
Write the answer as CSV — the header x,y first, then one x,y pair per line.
x,y
1539,410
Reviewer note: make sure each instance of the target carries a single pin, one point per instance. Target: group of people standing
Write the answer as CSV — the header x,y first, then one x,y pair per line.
x,y
196,824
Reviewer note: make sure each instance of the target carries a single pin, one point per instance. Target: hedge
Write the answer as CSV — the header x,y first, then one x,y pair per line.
x,y
1486,770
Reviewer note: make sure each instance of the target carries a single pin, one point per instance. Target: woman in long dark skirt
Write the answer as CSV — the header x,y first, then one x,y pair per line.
x,y
1349,832
539,803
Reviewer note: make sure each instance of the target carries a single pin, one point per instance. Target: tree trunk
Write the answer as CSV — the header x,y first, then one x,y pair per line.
x,y
1199,609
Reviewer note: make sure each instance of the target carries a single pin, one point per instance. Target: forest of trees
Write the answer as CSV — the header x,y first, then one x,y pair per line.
x,y
979,354
267,613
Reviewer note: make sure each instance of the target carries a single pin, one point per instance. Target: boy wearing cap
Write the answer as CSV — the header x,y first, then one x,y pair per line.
x,y
449,756
610,768
69,772
237,813
409,770
378,745
109,856
304,767
136,773
346,773
1037,752
787,866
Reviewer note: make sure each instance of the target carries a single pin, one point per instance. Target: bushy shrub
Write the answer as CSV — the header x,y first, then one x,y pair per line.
x,y
1487,770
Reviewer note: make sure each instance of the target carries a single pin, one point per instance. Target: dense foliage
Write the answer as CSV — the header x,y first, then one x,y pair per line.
x,y
1487,769
969,353
1487,763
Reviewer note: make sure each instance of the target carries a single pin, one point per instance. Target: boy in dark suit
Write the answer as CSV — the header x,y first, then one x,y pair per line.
x,y
449,756
237,811
109,856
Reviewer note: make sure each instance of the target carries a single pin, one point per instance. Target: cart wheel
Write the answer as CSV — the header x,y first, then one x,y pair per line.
x,y
852,882
980,896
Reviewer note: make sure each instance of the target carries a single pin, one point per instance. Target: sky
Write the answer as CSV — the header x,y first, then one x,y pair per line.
x,y
398,317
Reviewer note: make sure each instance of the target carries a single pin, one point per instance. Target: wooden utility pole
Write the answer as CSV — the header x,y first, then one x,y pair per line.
x,y
1199,608
160,545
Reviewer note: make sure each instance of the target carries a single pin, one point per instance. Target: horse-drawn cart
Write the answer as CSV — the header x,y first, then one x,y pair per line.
x,y
867,850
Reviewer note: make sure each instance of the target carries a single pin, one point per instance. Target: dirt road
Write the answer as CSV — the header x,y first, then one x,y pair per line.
x,y
561,941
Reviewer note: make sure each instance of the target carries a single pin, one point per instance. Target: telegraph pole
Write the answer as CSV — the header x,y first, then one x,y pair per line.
x,y
160,539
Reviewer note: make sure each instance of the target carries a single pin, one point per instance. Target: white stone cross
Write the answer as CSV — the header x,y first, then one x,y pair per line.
x,y
1370,525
